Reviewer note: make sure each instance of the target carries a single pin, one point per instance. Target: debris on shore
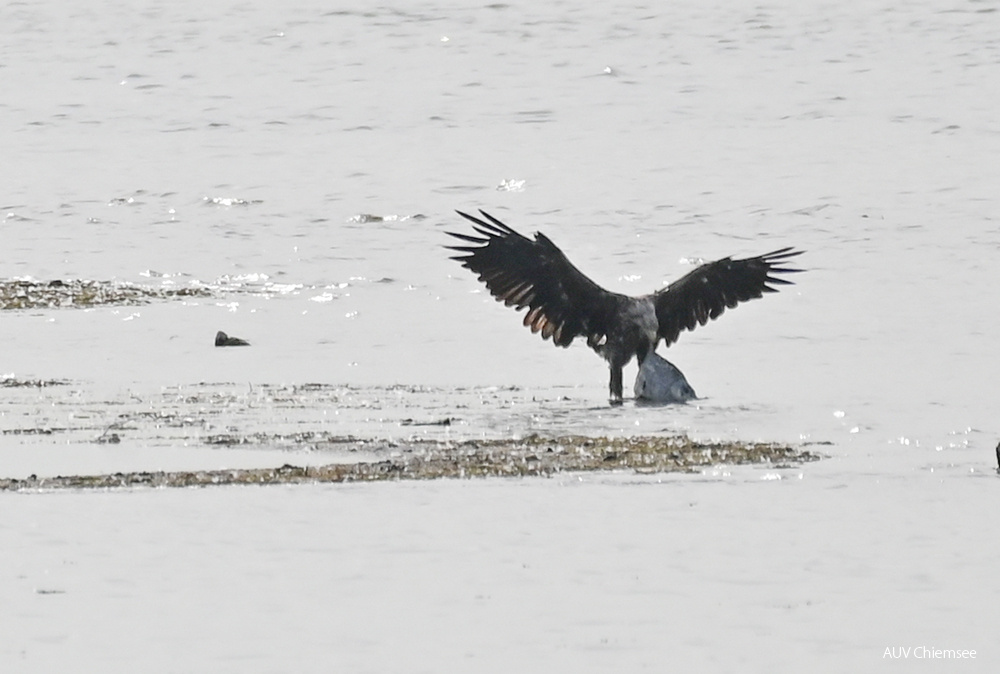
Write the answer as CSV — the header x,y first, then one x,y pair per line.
x,y
85,293
427,460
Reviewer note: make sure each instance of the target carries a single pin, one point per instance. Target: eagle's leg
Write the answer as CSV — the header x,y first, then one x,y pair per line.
x,y
642,351
616,384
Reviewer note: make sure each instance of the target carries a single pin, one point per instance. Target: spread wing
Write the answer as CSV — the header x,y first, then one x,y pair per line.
x,y
706,292
562,302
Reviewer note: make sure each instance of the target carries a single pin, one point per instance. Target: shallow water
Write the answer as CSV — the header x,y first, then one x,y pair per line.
x,y
303,163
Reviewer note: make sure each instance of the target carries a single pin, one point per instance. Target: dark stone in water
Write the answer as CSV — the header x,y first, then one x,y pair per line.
x,y
659,381
222,339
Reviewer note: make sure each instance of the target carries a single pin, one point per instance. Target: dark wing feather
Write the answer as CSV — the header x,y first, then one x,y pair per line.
x,y
562,302
706,292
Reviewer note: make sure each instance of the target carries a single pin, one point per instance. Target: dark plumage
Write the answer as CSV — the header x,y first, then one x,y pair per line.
x,y
564,304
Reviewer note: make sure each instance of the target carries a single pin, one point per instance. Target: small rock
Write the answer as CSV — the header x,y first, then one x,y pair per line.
x,y
222,339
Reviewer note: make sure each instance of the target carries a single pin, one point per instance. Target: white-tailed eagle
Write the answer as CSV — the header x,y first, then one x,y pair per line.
x,y
564,304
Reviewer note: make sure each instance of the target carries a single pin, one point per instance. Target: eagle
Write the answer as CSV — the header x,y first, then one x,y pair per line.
x,y
564,304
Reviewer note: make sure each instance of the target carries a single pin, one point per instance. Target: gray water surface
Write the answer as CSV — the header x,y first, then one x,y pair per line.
x,y
302,161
